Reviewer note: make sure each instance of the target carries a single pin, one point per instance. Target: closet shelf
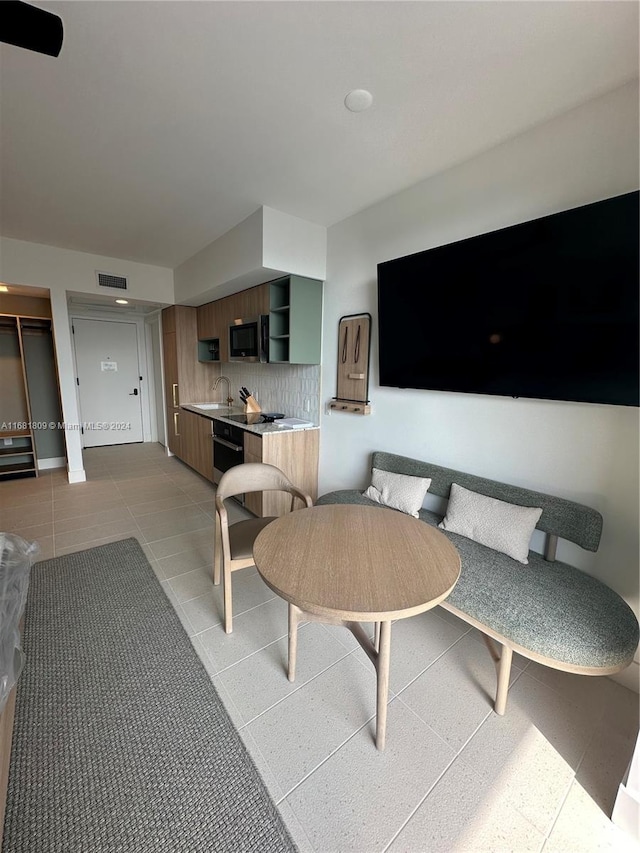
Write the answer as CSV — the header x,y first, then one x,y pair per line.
x,y
15,451
17,468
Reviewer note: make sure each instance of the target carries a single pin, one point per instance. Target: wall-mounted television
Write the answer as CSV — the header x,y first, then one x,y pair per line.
x,y
546,309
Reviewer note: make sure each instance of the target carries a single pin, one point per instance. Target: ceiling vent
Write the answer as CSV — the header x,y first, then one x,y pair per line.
x,y
113,282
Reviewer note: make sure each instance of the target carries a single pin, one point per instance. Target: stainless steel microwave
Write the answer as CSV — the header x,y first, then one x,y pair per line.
x,y
249,339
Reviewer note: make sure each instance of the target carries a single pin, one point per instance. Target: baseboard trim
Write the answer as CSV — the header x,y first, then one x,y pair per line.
x,y
626,812
52,462
629,677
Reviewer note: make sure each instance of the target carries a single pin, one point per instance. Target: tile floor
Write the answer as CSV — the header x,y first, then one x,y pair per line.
x,y
454,775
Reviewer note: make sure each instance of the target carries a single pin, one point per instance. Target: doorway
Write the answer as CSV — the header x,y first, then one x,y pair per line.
x,y
108,378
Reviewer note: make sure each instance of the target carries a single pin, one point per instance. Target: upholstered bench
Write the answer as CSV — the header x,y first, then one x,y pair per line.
x,y
547,610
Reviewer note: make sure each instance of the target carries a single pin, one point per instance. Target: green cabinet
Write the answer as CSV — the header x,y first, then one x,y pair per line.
x,y
295,320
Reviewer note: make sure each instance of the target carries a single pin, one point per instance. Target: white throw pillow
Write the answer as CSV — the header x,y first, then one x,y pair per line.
x,y
497,524
398,491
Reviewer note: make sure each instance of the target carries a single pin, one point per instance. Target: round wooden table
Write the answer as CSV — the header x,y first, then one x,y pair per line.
x,y
346,564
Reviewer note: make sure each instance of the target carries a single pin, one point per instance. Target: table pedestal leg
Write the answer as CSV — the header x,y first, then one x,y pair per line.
x,y
382,669
376,636
378,652
294,618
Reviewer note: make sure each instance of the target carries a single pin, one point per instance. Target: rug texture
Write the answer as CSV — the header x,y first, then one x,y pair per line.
x,y
121,742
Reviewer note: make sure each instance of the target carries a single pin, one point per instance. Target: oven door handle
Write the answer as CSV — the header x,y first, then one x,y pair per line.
x,y
237,447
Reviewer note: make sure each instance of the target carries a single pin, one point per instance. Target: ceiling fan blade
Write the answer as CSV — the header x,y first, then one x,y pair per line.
x,y
27,26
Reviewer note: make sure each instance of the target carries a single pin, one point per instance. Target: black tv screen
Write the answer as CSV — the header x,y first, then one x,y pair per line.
x,y
546,309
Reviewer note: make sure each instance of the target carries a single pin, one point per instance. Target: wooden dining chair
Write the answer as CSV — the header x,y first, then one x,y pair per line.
x,y
234,542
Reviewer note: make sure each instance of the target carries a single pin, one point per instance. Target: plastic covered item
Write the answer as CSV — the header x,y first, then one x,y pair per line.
x,y
16,559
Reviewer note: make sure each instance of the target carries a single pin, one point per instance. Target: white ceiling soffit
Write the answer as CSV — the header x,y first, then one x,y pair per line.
x,y
162,125
99,303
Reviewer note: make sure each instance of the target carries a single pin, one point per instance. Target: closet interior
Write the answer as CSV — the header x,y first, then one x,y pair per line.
x,y
30,410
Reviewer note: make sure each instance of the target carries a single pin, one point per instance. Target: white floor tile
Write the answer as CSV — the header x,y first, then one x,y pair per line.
x,y
462,815
362,810
416,643
297,735
466,677
191,584
581,826
251,632
260,681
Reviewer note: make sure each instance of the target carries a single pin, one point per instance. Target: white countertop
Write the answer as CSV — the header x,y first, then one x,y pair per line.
x,y
258,429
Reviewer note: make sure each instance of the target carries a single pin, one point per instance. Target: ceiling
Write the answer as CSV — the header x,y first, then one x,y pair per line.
x,y
99,302
162,125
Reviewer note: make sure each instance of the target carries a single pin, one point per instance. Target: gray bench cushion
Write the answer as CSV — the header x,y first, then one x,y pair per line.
x,y
549,608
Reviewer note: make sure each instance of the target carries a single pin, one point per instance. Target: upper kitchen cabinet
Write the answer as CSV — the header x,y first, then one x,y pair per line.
x,y
251,302
186,380
295,320
214,320
212,340
294,306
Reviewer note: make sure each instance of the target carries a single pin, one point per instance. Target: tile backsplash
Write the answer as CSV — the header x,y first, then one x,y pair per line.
x,y
293,389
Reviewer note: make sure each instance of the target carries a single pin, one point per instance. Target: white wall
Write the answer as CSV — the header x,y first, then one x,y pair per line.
x,y
584,452
62,271
293,244
262,247
234,255
154,368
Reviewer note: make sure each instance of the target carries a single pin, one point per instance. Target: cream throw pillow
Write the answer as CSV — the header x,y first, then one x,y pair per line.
x,y
398,491
497,524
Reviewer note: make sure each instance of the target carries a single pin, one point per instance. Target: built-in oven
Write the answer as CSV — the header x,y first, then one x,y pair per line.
x,y
228,449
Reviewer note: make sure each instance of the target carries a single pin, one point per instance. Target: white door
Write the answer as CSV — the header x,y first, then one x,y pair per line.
x,y
108,375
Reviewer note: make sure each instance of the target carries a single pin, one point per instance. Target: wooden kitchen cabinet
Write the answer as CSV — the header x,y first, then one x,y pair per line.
x,y
295,452
197,442
214,318
254,301
211,327
207,322
186,380
170,358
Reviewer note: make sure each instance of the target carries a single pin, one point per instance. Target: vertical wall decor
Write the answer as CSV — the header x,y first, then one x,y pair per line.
x,y
354,345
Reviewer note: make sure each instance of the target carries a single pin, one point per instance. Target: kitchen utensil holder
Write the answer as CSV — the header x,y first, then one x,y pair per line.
x,y
252,406
354,349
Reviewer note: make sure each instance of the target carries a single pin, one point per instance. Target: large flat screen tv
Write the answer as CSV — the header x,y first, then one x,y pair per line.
x,y
546,309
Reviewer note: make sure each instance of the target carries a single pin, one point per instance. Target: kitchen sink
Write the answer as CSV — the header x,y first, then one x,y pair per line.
x,y
210,406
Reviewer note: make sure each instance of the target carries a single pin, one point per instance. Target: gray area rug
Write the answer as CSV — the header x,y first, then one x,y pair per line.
x,y
121,742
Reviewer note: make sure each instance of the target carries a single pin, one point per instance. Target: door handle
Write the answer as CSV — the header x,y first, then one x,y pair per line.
x,y
175,423
134,393
223,441
174,392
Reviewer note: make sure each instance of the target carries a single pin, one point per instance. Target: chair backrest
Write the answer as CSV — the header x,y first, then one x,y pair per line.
x,y
253,477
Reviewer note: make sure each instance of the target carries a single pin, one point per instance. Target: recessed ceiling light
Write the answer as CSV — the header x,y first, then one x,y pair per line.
x,y
358,100
122,301
4,288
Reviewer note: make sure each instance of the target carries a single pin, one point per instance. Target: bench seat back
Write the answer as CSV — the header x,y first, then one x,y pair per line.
x,y
566,519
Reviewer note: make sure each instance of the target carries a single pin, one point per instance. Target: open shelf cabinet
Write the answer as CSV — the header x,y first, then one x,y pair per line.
x,y
26,353
295,320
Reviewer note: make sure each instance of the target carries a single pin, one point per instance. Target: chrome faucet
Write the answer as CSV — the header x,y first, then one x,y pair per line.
x,y
226,379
